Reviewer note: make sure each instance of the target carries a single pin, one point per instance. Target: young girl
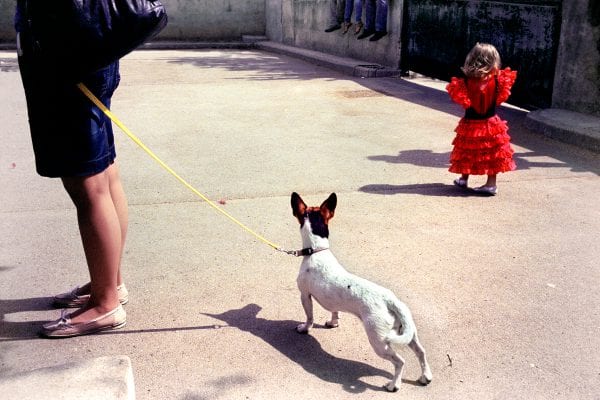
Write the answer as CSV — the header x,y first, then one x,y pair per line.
x,y
482,144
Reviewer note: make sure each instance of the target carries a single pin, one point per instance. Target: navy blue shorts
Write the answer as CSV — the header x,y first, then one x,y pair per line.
x,y
70,135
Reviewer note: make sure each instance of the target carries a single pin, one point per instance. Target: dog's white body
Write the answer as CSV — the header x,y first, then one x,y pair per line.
x,y
386,319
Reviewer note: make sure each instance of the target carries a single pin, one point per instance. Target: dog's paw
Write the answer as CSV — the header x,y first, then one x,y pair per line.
x,y
391,387
331,324
302,328
425,380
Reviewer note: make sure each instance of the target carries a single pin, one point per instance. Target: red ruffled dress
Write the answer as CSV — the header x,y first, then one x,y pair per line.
x,y
482,144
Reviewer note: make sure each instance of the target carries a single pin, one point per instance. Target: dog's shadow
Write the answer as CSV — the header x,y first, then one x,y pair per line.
x,y
304,350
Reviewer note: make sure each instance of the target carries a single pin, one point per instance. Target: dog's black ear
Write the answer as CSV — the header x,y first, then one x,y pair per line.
x,y
328,207
298,206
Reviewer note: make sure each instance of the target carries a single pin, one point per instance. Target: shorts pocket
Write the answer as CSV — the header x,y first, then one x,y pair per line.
x,y
105,81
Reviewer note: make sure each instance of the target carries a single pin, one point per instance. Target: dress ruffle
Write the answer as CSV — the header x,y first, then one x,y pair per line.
x,y
506,79
481,133
482,146
457,89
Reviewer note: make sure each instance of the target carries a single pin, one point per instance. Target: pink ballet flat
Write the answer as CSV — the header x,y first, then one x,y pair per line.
x,y
64,328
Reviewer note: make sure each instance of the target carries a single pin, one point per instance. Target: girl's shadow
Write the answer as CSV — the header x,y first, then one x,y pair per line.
x,y
425,189
303,349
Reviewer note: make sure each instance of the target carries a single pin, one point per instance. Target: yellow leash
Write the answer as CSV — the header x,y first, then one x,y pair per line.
x,y
110,115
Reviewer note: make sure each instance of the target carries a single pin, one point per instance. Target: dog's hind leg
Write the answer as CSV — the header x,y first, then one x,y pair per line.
x,y
389,354
419,351
335,320
308,309
386,351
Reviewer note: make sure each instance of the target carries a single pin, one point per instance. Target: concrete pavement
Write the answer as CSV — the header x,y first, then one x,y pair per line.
x,y
102,378
503,290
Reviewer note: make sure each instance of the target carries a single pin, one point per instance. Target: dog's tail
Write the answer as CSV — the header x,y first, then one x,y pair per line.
x,y
407,325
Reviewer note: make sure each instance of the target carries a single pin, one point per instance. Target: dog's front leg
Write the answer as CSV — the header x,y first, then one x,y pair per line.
x,y
306,299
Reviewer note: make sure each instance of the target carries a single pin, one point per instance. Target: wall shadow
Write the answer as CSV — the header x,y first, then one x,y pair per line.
x,y
537,145
262,65
256,66
305,350
430,159
421,158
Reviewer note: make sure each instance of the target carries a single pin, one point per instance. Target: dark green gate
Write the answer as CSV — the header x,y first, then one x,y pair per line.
x,y
438,34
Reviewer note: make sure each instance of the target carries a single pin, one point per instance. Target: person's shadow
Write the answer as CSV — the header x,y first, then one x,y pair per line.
x,y
27,330
304,350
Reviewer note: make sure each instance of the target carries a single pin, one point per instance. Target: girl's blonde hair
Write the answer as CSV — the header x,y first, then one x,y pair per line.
x,y
481,61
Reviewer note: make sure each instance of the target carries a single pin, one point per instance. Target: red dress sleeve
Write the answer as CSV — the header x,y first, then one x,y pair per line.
x,y
506,78
457,89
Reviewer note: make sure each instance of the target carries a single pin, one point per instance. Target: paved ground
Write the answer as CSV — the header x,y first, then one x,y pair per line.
x,y
504,290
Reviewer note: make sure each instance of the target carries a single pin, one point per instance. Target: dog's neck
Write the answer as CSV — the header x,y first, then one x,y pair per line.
x,y
312,241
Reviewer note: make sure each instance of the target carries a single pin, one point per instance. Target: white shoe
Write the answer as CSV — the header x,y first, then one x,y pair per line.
x,y
460,182
486,190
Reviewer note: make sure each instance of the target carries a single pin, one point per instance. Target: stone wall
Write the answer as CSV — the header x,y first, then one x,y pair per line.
x,y
577,79
302,23
525,32
7,30
213,20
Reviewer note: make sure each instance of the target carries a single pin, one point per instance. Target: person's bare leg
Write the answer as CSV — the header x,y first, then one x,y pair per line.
x,y
100,231
120,202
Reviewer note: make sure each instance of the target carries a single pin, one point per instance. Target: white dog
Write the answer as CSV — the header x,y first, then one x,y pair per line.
x,y
386,319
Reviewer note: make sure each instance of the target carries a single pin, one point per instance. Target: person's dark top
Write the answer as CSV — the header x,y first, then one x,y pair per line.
x,y
20,16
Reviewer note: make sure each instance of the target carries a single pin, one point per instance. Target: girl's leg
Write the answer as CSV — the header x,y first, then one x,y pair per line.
x,y
491,181
462,181
489,189
101,235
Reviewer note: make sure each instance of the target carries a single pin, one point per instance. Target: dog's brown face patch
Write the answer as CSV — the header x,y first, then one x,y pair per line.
x,y
318,216
318,224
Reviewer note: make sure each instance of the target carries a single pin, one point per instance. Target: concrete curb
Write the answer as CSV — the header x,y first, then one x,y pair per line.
x,y
578,129
168,45
349,66
103,378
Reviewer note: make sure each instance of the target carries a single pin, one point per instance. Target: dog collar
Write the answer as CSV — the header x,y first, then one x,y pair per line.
x,y
307,251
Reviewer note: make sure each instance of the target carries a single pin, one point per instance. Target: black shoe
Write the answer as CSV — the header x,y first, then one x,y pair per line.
x,y
378,35
333,28
365,34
